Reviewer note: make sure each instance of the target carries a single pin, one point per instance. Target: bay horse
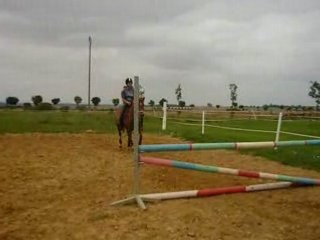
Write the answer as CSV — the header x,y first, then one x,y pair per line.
x,y
128,123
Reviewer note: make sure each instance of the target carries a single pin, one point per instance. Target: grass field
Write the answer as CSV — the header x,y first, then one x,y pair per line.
x,y
103,122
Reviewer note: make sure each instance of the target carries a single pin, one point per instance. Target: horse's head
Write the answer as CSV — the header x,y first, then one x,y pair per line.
x,y
141,104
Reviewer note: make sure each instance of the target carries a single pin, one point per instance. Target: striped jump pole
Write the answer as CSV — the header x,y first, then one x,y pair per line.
x,y
229,171
218,191
226,145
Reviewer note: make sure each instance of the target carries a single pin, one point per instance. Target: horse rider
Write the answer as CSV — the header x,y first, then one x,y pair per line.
x,y
127,95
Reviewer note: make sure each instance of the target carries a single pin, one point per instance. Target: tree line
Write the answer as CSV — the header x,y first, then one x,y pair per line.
x,y
37,100
314,92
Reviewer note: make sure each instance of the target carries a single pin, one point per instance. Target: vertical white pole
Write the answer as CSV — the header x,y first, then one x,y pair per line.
x,y
279,127
164,116
136,173
254,115
203,121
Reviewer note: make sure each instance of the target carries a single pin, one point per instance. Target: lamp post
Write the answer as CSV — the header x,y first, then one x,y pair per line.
x,y
89,71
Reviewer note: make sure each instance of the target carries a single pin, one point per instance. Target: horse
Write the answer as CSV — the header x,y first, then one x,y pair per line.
x,y
128,122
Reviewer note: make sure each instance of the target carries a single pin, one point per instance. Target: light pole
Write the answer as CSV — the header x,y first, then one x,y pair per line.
x,y
89,71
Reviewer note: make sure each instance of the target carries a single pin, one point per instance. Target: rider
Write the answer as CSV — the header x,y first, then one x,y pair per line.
x,y
127,95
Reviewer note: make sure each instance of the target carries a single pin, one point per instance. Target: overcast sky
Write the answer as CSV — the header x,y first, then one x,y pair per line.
x,y
270,49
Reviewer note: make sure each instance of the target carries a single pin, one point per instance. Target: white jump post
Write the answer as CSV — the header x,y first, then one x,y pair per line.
x,y
203,122
136,197
164,116
278,128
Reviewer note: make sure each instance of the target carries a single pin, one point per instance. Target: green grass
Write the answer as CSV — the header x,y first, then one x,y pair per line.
x,y
12,121
306,157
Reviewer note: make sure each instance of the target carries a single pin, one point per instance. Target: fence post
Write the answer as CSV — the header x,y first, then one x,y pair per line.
x,y
203,122
278,128
164,116
254,115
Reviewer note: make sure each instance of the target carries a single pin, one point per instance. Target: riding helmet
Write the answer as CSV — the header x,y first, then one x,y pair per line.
x,y
128,80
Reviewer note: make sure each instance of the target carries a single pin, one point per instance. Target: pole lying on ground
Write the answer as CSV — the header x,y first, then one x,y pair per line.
x,y
218,191
285,181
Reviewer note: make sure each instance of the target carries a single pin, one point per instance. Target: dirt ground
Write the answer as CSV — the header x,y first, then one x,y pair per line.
x,y
60,186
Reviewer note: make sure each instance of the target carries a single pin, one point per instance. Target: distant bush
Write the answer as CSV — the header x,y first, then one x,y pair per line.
x,y
233,109
12,101
81,108
55,101
65,108
37,99
44,106
27,105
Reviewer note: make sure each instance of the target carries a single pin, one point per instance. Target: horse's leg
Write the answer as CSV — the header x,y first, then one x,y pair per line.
x,y
129,133
120,136
140,128
140,138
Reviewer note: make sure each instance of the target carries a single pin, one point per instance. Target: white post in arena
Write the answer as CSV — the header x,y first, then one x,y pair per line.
x,y
203,121
278,127
164,116
254,115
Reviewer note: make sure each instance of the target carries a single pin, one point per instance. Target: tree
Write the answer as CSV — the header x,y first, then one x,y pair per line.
x,y
178,93
162,101
151,103
315,92
77,100
233,95
115,101
37,99
44,106
265,107
55,101
217,106
95,101
182,103
12,100
209,104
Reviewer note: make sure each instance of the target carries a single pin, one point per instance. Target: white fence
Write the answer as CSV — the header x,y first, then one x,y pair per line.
x,y
206,118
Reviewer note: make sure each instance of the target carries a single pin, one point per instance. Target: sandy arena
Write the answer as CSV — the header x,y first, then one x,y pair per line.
x,y
59,186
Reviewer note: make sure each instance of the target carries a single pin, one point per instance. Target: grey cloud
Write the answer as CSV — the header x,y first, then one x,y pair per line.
x,y
64,23
204,45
